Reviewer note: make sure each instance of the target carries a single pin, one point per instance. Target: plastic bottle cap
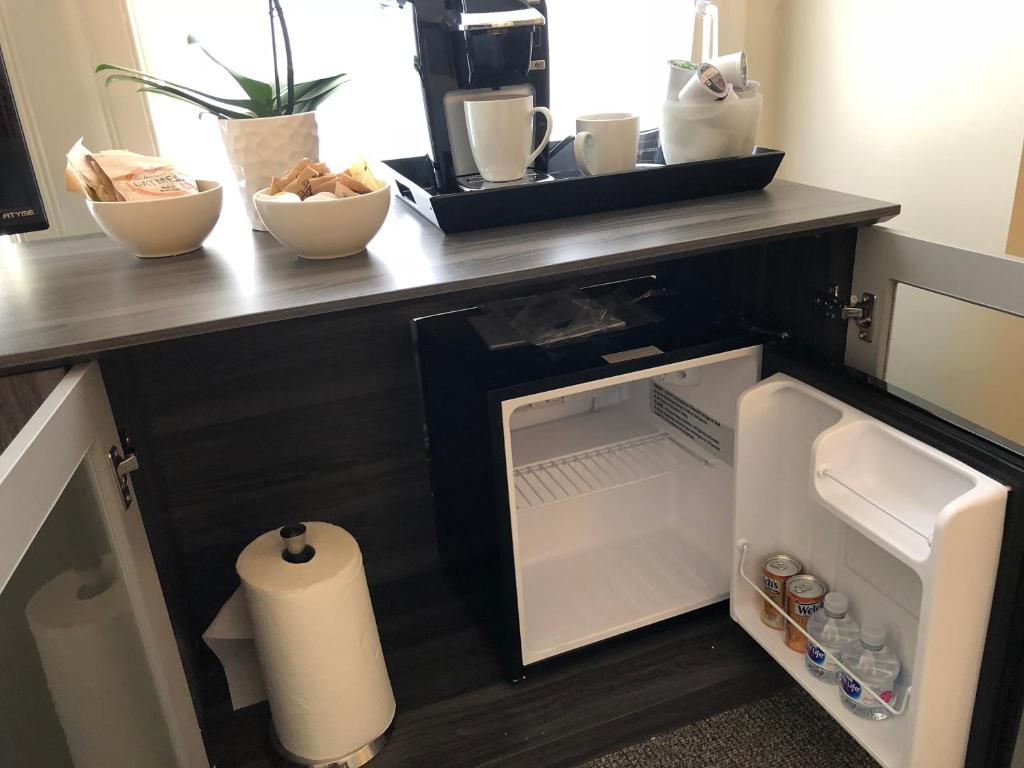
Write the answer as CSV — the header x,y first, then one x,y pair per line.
x,y
872,635
836,604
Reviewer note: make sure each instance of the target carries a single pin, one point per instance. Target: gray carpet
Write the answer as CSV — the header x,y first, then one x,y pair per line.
x,y
784,730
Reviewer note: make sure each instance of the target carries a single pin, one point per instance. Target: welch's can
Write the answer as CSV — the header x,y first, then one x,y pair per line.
x,y
805,594
776,570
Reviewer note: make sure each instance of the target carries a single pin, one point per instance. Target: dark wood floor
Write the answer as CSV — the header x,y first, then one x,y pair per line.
x,y
454,708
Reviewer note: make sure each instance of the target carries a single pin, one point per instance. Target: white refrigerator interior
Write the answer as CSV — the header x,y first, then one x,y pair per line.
x,y
620,495
626,509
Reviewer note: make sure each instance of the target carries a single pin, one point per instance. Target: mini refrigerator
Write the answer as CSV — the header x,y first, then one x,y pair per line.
x,y
642,466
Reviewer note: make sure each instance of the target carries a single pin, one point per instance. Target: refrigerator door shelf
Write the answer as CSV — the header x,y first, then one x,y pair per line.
x,y
909,534
898,492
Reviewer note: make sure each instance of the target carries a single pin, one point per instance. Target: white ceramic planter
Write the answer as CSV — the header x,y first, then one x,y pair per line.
x,y
264,147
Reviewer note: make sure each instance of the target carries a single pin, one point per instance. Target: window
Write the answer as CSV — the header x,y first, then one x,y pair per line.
x,y
604,57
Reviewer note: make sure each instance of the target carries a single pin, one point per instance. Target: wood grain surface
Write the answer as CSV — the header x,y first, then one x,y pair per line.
x,y
64,300
454,710
321,418
20,397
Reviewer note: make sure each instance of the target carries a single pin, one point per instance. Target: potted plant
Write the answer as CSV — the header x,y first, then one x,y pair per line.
x,y
272,128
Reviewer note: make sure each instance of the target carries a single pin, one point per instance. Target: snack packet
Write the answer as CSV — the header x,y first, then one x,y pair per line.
x,y
307,179
360,171
116,175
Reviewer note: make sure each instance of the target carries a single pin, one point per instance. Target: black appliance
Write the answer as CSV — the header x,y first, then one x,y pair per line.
x,y
606,458
21,208
465,48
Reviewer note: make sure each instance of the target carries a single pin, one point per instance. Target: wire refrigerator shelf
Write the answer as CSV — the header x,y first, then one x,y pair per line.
x,y
600,469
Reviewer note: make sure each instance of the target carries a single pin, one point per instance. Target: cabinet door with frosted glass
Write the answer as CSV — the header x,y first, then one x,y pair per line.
x,y
947,334
91,675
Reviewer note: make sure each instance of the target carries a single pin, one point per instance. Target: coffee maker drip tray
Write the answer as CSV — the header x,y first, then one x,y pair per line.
x,y
474,181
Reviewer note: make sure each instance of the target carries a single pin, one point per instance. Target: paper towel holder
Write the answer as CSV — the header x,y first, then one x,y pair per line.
x,y
356,759
296,549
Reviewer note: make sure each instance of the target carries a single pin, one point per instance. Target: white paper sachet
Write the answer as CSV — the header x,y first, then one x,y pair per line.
x,y
116,175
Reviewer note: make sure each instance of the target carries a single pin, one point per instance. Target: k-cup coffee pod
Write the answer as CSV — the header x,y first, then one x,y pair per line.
x,y
707,87
679,73
733,67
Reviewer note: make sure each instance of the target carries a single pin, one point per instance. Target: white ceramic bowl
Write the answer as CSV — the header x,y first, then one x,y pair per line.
x,y
325,229
167,227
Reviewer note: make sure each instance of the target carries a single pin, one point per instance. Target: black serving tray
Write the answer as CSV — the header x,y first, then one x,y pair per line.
x,y
569,193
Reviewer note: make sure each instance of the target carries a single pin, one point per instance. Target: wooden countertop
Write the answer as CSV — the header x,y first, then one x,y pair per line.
x,y
69,299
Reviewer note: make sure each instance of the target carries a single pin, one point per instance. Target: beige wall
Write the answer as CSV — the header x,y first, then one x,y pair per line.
x,y
911,101
1015,240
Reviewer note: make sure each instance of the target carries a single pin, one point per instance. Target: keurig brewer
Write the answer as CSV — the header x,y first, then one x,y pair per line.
x,y
466,49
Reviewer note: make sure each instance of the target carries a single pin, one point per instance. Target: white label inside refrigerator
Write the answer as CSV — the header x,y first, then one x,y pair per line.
x,y
705,430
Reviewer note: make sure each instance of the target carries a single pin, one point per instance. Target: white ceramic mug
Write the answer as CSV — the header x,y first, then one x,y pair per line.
x,y
607,142
500,132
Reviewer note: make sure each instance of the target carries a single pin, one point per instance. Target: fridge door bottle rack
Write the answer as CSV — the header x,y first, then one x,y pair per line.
x,y
744,549
911,535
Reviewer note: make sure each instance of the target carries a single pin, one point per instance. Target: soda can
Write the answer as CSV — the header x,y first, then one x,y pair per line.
x,y
805,594
775,571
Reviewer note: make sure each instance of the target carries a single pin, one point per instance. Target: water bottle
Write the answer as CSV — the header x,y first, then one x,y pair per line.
x,y
832,630
877,666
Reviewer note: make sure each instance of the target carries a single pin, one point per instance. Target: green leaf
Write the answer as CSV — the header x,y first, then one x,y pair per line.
x,y
313,88
158,81
209,103
260,92
154,82
184,98
316,91
308,105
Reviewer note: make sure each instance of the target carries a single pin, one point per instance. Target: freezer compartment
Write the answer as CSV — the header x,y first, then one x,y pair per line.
x,y
620,495
909,534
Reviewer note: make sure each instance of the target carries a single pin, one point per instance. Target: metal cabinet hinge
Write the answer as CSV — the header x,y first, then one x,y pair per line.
x,y
859,309
122,466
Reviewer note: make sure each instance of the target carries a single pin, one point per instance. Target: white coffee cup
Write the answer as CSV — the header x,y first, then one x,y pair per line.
x,y
607,142
500,132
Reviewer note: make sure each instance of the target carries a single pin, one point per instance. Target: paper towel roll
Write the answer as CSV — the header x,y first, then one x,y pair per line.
x,y
317,643
97,674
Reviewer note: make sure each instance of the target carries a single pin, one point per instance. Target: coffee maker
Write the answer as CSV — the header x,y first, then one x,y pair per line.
x,y
21,209
466,49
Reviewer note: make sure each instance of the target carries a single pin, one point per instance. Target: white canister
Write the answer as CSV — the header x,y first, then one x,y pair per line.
x,y
263,147
726,128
